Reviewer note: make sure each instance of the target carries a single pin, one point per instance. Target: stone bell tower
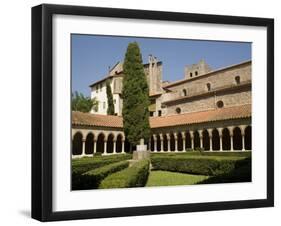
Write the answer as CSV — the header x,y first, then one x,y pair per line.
x,y
154,75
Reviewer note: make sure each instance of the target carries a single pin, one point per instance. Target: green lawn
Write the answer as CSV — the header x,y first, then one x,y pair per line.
x,y
165,178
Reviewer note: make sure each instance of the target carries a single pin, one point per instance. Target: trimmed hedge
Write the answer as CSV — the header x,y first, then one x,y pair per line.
x,y
195,164
242,173
134,176
245,154
92,178
82,165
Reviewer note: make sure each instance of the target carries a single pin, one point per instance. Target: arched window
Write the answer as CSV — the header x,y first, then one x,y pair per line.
x,y
178,110
190,74
184,92
220,104
196,73
237,80
208,85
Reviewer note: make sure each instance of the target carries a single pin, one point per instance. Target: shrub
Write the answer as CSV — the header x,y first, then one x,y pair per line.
x,y
200,150
242,173
134,176
195,164
92,178
82,165
190,152
189,149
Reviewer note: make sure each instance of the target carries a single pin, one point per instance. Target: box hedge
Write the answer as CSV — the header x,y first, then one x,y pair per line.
x,y
80,166
91,179
196,164
245,154
242,173
134,176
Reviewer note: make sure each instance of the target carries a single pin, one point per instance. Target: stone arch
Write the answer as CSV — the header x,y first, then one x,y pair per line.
x,y
152,148
225,139
237,139
206,140
187,140
180,141
100,143
158,142
172,142
119,143
216,140
248,138
128,146
77,144
110,146
89,144
196,139
165,142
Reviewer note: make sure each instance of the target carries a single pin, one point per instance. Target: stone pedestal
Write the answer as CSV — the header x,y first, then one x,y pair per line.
x,y
139,155
141,152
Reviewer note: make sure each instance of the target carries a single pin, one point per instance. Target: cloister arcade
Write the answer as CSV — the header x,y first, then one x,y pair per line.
x,y
86,142
234,138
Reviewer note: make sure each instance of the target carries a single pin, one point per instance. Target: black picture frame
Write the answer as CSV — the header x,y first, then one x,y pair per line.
x,y
42,111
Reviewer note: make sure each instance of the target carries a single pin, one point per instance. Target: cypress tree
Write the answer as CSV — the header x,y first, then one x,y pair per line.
x,y
135,96
110,105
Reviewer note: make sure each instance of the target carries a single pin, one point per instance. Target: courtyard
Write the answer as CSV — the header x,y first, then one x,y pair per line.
x,y
163,169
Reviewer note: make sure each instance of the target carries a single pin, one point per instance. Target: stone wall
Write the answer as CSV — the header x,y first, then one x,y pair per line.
x,y
207,103
216,80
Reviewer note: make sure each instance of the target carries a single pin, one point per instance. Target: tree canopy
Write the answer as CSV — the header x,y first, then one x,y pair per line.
x,y
135,96
79,102
110,104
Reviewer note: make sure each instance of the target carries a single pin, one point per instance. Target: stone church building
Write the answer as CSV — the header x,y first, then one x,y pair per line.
x,y
207,109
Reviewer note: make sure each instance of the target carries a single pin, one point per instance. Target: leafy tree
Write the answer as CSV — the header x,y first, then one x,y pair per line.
x,y
79,102
110,105
135,96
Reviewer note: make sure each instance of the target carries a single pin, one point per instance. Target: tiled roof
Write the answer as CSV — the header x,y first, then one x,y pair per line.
x,y
227,113
241,111
88,119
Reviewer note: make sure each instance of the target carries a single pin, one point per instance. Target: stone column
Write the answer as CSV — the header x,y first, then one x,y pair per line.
x,y
183,141
210,137
155,142
83,147
176,142
192,140
105,147
201,138
231,137
114,146
242,128
162,143
123,146
95,147
169,142
220,135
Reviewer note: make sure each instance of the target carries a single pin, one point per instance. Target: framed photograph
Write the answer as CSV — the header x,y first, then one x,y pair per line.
x,y
145,112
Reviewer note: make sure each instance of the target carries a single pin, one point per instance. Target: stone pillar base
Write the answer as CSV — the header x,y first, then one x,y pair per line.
x,y
139,155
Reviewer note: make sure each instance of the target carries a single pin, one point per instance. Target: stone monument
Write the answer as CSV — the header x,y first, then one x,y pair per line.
x,y
141,152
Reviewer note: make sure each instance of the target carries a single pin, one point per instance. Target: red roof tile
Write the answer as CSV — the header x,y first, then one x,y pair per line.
x,y
236,112
88,119
243,111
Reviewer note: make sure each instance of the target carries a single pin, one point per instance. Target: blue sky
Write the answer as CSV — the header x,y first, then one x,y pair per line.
x,y
92,55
